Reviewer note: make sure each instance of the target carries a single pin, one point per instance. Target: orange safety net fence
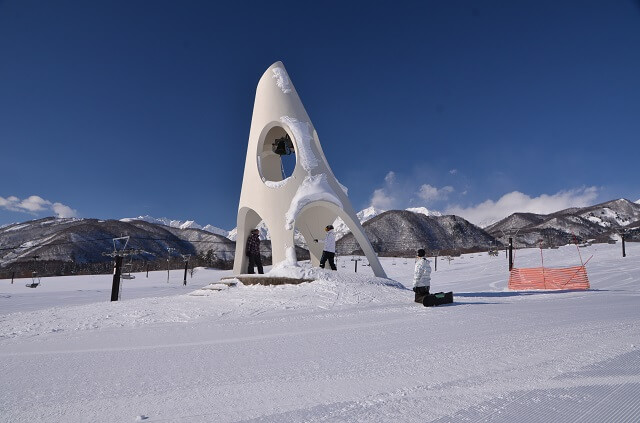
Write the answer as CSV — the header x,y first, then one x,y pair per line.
x,y
574,277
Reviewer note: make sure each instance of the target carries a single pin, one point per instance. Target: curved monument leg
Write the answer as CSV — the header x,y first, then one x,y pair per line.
x,y
247,220
311,223
319,214
361,237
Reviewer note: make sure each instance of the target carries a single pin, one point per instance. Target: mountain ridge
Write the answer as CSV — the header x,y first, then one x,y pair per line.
x,y
402,232
599,222
77,244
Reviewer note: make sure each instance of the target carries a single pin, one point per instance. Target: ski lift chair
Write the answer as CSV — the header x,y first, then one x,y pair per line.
x,y
127,273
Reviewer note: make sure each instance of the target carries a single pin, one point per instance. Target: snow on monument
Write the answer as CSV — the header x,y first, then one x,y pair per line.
x,y
307,200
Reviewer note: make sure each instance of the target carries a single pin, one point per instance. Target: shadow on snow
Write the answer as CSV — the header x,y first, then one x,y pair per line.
x,y
522,293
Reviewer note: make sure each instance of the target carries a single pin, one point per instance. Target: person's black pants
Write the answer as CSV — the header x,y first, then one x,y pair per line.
x,y
327,255
255,260
421,292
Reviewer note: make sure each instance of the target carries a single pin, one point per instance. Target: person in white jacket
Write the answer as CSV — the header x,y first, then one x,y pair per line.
x,y
421,276
329,250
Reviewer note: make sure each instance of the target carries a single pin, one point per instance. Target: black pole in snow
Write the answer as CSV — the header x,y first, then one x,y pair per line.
x,y
435,268
510,254
13,275
115,288
624,253
147,269
186,266
356,260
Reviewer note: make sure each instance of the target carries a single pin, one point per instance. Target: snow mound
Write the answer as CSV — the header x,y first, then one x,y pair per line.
x,y
302,134
216,286
289,268
313,188
329,290
276,184
343,188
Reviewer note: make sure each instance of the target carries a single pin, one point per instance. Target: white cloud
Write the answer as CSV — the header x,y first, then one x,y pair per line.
x,y
384,198
490,211
399,192
430,193
390,178
381,200
34,205
9,203
453,171
63,211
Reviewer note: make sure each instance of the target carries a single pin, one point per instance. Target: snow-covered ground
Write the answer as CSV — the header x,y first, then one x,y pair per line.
x,y
345,348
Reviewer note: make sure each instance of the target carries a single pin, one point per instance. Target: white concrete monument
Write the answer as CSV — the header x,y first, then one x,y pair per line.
x,y
307,200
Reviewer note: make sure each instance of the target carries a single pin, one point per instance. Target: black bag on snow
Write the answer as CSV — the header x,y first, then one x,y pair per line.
x,y
437,299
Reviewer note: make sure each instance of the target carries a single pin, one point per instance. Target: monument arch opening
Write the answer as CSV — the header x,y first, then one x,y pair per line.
x,y
276,155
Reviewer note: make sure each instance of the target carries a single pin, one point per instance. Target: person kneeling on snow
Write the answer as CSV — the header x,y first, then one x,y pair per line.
x,y
329,250
421,276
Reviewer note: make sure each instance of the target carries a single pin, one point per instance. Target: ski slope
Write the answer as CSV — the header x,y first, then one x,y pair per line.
x,y
345,348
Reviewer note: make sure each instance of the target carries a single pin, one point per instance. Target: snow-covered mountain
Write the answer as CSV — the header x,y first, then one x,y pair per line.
x,y
180,224
368,213
600,222
404,231
73,244
363,215
262,227
64,245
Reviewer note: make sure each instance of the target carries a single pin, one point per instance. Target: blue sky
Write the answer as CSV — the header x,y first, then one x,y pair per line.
x,y
117,109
